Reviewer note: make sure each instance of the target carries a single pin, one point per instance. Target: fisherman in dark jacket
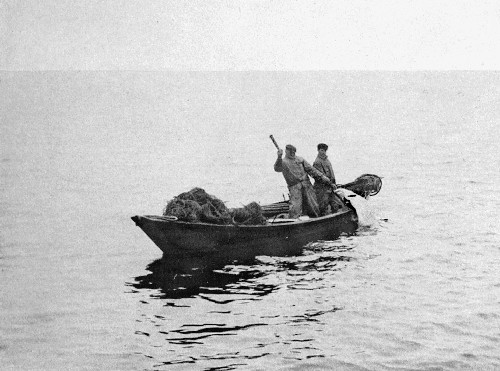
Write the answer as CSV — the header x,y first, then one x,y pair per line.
x,y
296,172
328,201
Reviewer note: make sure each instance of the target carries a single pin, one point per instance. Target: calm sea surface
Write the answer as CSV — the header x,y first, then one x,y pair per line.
x,y
82,288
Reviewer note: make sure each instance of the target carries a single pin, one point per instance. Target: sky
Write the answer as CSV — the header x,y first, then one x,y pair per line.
x,y
249,35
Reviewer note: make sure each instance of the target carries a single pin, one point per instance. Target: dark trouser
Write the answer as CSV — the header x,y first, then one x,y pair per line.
x,y
328,201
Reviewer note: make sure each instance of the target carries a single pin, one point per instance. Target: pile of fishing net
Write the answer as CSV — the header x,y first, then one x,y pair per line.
x,y
198,206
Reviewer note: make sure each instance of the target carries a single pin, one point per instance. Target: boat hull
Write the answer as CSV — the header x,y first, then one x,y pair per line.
x,y
179,239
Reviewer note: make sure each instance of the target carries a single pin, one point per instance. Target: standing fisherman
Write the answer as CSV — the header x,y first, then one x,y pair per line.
x,y
295,171
328,201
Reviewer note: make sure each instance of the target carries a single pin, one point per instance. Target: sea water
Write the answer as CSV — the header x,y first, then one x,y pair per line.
x,y
82,288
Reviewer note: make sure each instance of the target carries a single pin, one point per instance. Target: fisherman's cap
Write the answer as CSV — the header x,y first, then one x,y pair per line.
x,y
291,148
322,146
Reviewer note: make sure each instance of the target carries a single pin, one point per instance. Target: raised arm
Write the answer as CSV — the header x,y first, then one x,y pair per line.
x,y
278,165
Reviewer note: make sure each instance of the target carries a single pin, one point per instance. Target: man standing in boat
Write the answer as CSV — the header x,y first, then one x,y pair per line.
x,y
295,171
328,201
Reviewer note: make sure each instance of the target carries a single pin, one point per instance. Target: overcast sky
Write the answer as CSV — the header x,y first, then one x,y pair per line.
x,y
249,35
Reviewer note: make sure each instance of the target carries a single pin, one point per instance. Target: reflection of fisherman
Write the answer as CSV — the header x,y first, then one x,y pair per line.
x,y
295,171
328,201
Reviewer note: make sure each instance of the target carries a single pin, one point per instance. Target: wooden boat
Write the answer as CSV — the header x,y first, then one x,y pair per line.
x,y
278,237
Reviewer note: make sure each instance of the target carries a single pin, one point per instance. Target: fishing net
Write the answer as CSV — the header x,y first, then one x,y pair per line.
x,y
215,213
250,214
365,185
185,210
198,206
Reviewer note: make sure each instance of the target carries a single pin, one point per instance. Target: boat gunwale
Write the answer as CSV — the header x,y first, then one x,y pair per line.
x,y
167,220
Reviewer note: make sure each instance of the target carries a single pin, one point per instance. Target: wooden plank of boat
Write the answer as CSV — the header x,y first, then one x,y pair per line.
x,y
243,242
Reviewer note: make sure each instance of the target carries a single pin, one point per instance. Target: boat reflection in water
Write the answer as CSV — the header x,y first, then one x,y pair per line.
x,y
183,278
205,314
191,277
